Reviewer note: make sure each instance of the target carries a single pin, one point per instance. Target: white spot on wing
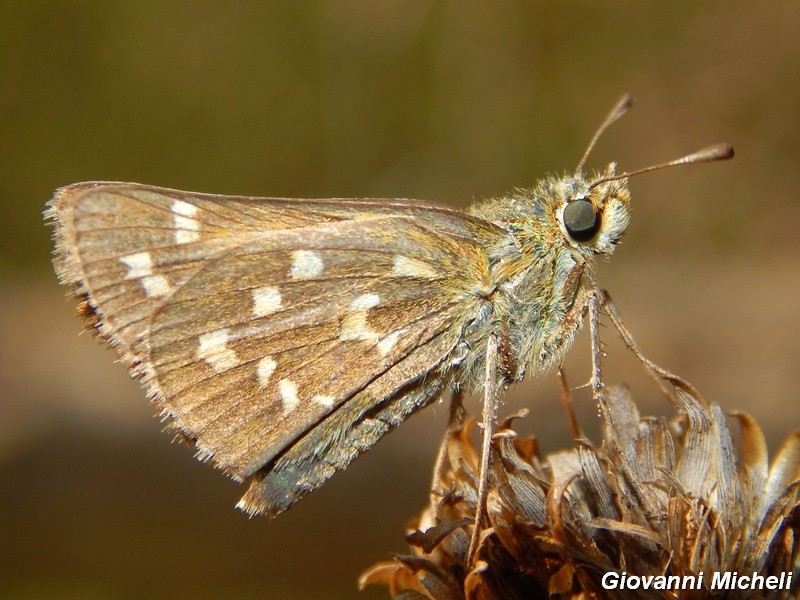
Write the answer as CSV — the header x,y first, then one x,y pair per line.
x,y
387,343
265,369
266,301
288,391
305,264
325,401
354,324
139,265
365,301
179,207
354,327
214,350
186,226
155,285
404,266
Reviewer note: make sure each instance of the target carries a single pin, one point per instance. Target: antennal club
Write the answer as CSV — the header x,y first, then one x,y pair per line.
x,y
709,154
620,108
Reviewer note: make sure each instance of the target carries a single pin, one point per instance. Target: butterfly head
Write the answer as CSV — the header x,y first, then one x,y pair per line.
x,y
592,218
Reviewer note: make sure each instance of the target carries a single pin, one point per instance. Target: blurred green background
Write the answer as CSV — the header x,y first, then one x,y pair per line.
x,y
451,101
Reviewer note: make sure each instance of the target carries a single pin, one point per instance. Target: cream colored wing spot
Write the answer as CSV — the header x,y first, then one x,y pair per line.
x,y
288,392
266,300
214,350
306,264
187,228
140,266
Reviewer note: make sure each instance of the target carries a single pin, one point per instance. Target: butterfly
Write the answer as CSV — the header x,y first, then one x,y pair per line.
x,y
284,337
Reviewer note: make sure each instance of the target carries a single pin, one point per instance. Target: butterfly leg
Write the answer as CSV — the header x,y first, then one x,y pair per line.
x,y
592,300
596,301
455,422
565,393
490,399
657,373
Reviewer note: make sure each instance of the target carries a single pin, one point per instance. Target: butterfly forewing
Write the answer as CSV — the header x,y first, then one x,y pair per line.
x,y
284,337
248,367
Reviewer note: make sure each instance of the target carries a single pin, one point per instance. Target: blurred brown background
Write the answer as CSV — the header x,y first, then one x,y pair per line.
x,y
450,101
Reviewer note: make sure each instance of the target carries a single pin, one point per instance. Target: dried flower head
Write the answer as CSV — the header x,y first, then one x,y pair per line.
x,y
656,498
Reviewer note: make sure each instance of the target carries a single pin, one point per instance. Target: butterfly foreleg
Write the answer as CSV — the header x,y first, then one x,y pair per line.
x,y
488,423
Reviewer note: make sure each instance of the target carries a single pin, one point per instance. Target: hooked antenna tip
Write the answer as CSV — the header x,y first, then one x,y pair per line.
x,y
620,108
708,154
719,151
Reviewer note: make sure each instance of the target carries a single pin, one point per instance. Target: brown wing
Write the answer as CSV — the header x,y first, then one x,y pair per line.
x,y
283,337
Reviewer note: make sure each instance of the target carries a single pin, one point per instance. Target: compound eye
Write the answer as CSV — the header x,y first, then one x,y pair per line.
x,y
580,220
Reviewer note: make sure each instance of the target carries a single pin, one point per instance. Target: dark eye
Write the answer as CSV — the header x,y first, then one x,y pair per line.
x,y
580,220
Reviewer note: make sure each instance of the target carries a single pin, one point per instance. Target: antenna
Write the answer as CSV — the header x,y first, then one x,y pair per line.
x,y
620,108
709,154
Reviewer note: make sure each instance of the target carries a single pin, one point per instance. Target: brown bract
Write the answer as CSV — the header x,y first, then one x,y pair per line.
x,y
655,498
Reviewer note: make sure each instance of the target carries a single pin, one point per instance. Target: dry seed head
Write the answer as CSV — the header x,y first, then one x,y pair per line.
x,y
655,498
